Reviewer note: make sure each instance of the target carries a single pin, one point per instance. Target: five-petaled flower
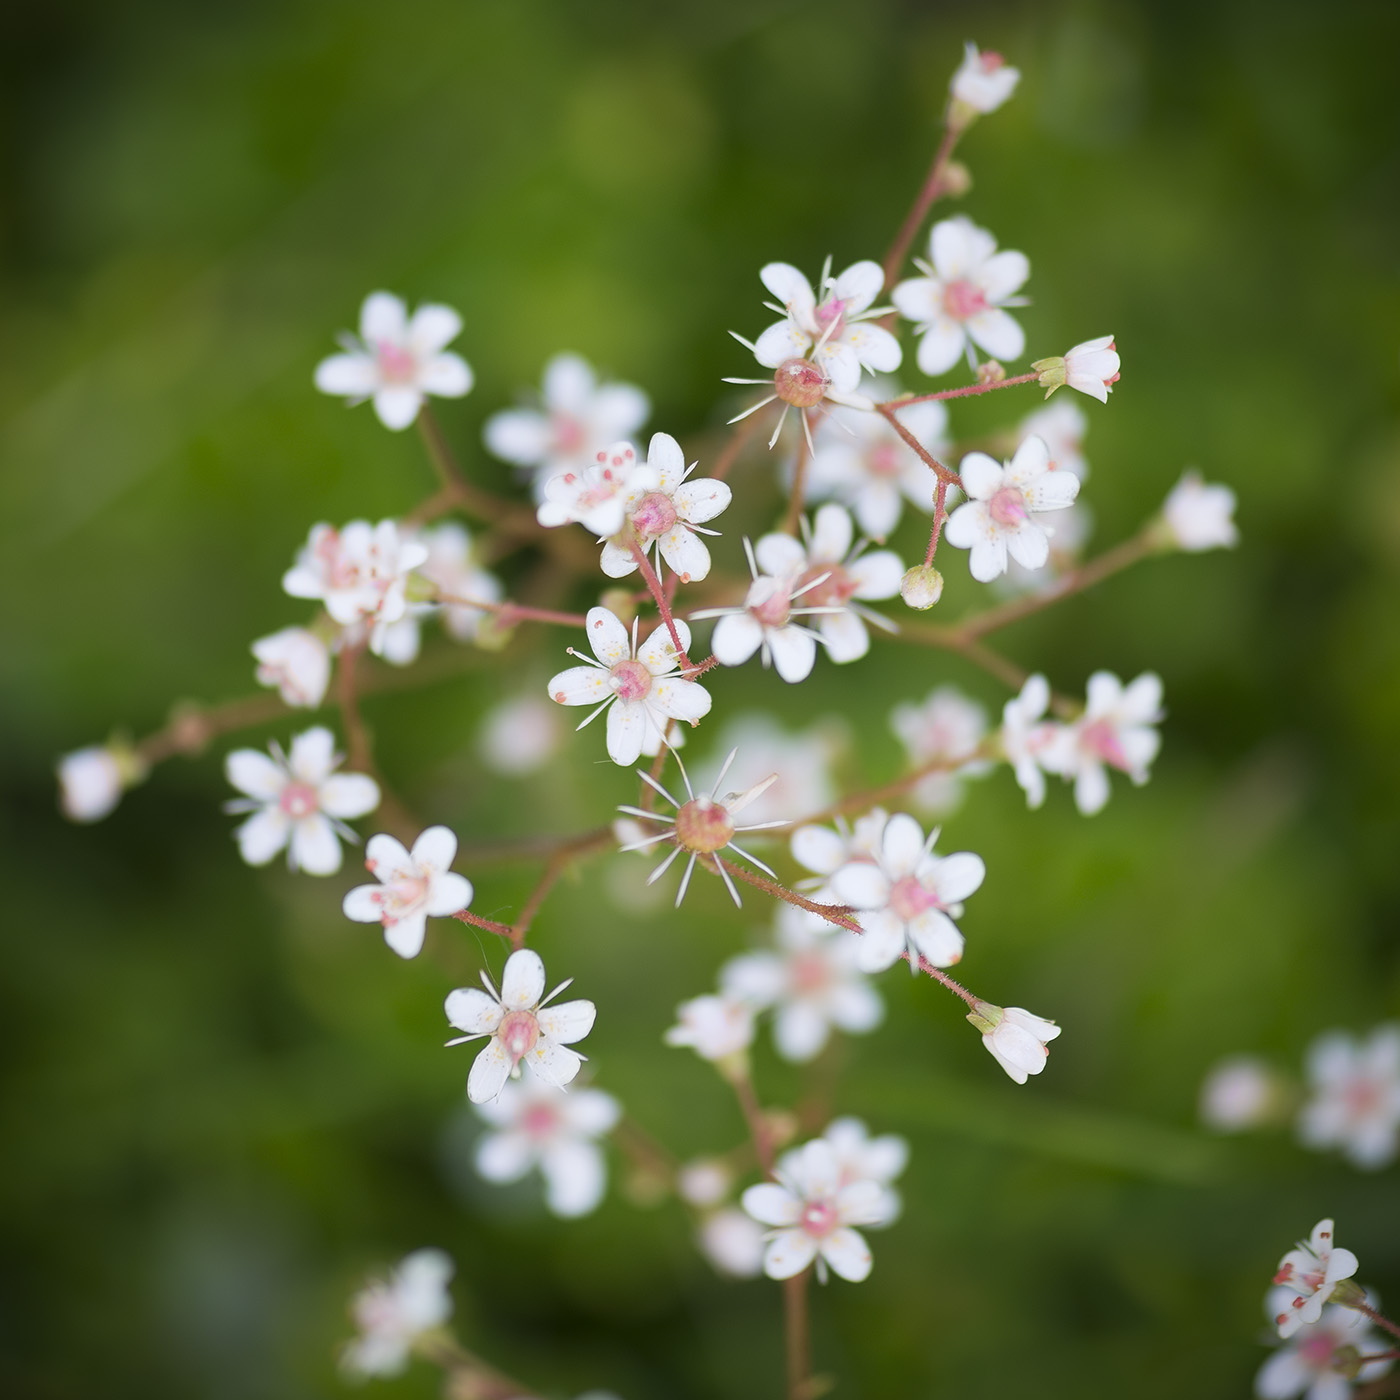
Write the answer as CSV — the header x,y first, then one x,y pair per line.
x,y
1199,516
958,302
1030,740
909,897
667,516
412,885
717,1028
981,84
297,662
642,683
1312,1272
299,801
392,1315
1116,730
1355,1102
397,360
814,1213
596,495
1091,367
522,1028
1016,1037
1317,1361
1001,516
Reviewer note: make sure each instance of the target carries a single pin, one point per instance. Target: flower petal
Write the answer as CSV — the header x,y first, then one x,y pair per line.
x,y
794,653
554,1063
575,1177
353,376
472,1010
771,1204
628,725
489,1072
580,685
315,848
522,982
432,327
383,317
847,1253
999,334
263,835
680,699
447,376
347,795
397,407
686,554
658,652
447,894
609,639
736,637
405,936
568,1021
701,499
901,846
255,773
788,1254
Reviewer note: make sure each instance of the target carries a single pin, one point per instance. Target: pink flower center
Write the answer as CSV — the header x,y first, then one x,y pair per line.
x,y
884,460
819,1218
630,680
404,894
654,516
704,826
567,432
831,314
810,973
990,61
1008,507
800,383
776,609
1101,739
963,299
298,800
909,899
1317,1350
1362,1097
396,365
518,1032
539,1121
834,591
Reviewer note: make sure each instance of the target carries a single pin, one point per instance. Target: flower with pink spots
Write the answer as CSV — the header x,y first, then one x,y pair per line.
x,y
520,1027
398,360
412,886
982,83
1355,1096
596,495
1307,1364
1311,1273
1116,730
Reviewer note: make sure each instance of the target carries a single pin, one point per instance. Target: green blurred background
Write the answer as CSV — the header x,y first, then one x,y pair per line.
x,y
222,1104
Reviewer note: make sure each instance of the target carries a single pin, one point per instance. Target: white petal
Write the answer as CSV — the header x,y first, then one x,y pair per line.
x,y
432,327
859,285
831,535
901,846
686,554
313,755
818,848
315,848
397,407
522,982
665,457
575,1177
883,940
1091,789
875,347
701,499
568,383
790,287
472,1010
957,876
554,1063
263,835
845,636
783,340
517,435
862,884
447,376
800,1031
958,248
982,476
489,1072
941,346
877,574
736,637
788,1254
435,849
986,559
580,685
628,727
348,795
350,376
449,893
658,652
998,334
1029,546
772,1204
504,1156
405,936
568,1021
794,653
616,561
383,317
685,700
847,1253
364,904
256,774
1002,275
779,554
937,937
610,640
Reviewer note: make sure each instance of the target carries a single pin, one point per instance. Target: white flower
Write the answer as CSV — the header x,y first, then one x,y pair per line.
x,y
535,1125
860,461
1000,516
1239,1093
596,495
1092,368
1355,1103
666,516
519,736
1062,425
802,762
412,885
702,827
830,577
818,349
450,565
359,573
813,981
297,662
824,852
909,897
298,801
703,1182
521,1027
1199,516
393,1315
1115,731
642,684
814,1213
578,416
946,728
958,303
1305,1364
983,81
715,1027
1311,1272
1073,526
1029,739
1015,1037
91,781
860,1157
732,1242
397,360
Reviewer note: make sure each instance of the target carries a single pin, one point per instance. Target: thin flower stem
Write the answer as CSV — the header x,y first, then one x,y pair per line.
x,y
923,202
658,596
647,801
799,490
873,797
949,478
359,752
490,925
559,862
952,639
644,1151
468,1375
743,430
796,1336
528,847
940,516
838,914
939,975
760,1130
469,497
1381,1356
511,613
964,392
1380,1319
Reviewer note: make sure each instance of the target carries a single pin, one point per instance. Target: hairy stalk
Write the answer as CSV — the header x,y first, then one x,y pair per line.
x,y
838,914
559,862
658,595
1380,1319
490,925
739,438
799,490
468,1376
760,1130
966,391
939,975
511,613
940,517
953,639
873,797
950,478
923,202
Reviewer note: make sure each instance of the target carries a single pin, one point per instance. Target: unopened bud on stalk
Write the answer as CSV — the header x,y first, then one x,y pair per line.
x,y
1016,1038
417,589
91,781
956,181
1346,1361
621,603
494,632
990,373
922,586
1348,1293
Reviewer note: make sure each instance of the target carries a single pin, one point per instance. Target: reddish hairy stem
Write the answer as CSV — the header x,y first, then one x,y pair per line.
x,y
559,862
658,596
838,914
510,613
490,925
940,516
872,797
952,639
923,202
966,391
799,489
951,478
1380,1319
759,1129
469,1375
359,753
796,1336
939,975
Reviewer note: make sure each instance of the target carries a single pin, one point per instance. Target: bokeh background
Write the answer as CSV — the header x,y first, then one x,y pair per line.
x,y
222,1104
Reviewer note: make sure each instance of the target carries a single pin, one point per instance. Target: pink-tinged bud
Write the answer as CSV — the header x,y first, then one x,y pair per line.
x,y
1016,1038
922,586
990,373
801,383
956,181
704,826
621,602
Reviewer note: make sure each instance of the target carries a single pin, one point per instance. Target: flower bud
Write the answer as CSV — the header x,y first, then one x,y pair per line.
x,y
922,586
494,631
990,373
1015,1037
92,780
956,181
1346,1361
621,603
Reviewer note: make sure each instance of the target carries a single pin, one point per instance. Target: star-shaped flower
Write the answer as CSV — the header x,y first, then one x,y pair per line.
x,y
1312,1272
393,1315
412,885
1116,730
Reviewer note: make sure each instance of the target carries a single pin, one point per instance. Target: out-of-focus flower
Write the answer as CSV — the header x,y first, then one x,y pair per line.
x,y
1001,514
536,1126
1116,730
801,760
909,897
577,417
412,885
982,83
297,662
642,685
946,728
1355,1103
860,1157
1062,426
1198,516
1311,1272
392,1315
732,1242
1028,738
1092,368
1319,1361
398,360
716,1027
91,780
1016,1037
519,736
667,516
1239,1093
522,1027
959,301
814,1215
299,801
